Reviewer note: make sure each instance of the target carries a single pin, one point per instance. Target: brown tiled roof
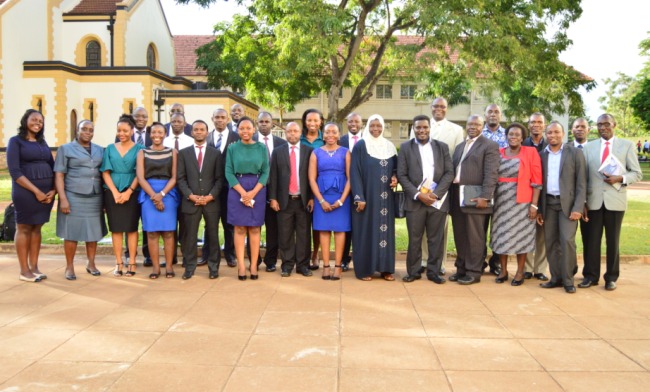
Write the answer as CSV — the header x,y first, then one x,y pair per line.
x,y
94,7
185,47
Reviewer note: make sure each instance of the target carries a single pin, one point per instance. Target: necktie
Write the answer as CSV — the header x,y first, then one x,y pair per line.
x,y
176,143
468,144
200,158
605,152
218,145
140,138
293,179
580,146
268,151
356,139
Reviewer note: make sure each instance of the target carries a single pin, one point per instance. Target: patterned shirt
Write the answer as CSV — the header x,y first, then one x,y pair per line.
x,y
499,136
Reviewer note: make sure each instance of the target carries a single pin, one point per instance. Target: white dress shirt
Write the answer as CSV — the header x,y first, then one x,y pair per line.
x,y
183,141
352,142
268,143
297,151
224,138
553,175
447,132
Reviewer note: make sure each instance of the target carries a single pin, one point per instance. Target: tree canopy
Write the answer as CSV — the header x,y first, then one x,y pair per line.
x,y
283,51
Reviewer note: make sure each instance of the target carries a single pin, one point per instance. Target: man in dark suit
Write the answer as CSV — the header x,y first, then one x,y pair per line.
x,y
236,113
561,205
220,138
476,163
200,181
355,127
536,264
264,127
177,108
290,195
422,159
606,200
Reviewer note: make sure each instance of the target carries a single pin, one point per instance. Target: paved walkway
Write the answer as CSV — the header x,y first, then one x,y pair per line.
x,y
306,334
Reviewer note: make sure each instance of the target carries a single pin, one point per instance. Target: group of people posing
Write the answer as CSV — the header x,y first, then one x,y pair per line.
x,y
533,187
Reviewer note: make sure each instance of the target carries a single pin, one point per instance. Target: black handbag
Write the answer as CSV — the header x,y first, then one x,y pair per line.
x,y
400,201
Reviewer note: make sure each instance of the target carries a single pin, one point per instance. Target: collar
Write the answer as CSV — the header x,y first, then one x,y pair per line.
x,y
548,149
611,141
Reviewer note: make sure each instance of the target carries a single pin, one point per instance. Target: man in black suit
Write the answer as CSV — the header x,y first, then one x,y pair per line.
x,y
220,138
476,162
290,195
200,180
355,126
561,204
536,263
177,108
236,113
422,159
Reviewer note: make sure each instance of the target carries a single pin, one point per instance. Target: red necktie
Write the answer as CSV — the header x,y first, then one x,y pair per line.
x,y
200,158
293,179
605,152
356,139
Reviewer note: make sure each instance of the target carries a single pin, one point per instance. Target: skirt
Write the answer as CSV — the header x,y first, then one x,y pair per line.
x,y
122,218
238,213
85,222
154,220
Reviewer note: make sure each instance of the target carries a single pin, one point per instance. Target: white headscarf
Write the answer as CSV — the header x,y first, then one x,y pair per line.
x,y
378,147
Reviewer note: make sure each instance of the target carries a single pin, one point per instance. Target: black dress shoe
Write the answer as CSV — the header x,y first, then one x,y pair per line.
x,y
305,272
541,277
147,262
552,284
214,274
411,278
254,277
515,282
501,279
437,279
285,274
467,280
455,277
586,283
610,286
270,268
570,289
528,275
345,267
187,275
231,263
202,262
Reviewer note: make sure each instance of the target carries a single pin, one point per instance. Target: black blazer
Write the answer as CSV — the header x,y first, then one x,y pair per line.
x,y
573,180
409,172
480,167
209,181
187,130
278,186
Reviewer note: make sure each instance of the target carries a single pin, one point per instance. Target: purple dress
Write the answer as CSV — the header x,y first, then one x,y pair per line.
x,y
34,161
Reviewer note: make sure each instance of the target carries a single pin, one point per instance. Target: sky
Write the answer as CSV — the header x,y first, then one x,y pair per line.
x,y
605,39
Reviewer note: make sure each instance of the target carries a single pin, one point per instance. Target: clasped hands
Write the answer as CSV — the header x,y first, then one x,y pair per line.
x,y
200,200
46,198
248,198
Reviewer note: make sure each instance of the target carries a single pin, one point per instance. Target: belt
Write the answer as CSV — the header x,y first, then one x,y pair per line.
x,y
295,197
247,174
553,196
507,179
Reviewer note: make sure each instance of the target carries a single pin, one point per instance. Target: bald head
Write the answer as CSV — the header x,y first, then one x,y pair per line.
x,y
439,109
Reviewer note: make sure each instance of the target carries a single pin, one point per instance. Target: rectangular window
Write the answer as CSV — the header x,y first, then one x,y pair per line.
x,y
388,133
404,130
384,91
407,91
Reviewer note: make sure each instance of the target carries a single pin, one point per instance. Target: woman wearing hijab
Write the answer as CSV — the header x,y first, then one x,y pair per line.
x,y
372,175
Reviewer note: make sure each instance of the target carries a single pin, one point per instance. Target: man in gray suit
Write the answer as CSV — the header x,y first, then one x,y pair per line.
x,y
423,159
606,200
561,205
476,162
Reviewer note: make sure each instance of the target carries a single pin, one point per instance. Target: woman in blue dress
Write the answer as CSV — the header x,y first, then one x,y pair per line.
x,y
120,185
30,164
373,175
159,199
329,168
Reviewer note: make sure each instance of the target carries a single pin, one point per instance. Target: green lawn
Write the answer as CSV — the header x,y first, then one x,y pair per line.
x,y
634,238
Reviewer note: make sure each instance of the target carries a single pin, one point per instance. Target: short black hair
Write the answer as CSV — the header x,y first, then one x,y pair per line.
x,y
127,118
246,118
422,117
202,122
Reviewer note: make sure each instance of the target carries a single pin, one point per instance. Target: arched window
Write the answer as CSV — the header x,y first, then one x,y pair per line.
x,y
151,56
93,55
73,124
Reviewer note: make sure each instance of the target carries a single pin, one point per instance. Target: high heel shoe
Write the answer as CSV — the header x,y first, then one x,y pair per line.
x,y
129,272
241,277
326,272
35,279
335,277
118,269
501,279
254,277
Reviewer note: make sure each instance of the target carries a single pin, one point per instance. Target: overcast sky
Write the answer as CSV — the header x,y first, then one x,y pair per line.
x,y
605,38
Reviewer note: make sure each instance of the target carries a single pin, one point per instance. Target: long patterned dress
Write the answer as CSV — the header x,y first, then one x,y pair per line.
x,y
512,232
373,229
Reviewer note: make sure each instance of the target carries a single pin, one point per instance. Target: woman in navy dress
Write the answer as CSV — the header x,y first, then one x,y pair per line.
x,y
247,170
329,168
373,174
30,164
159,199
